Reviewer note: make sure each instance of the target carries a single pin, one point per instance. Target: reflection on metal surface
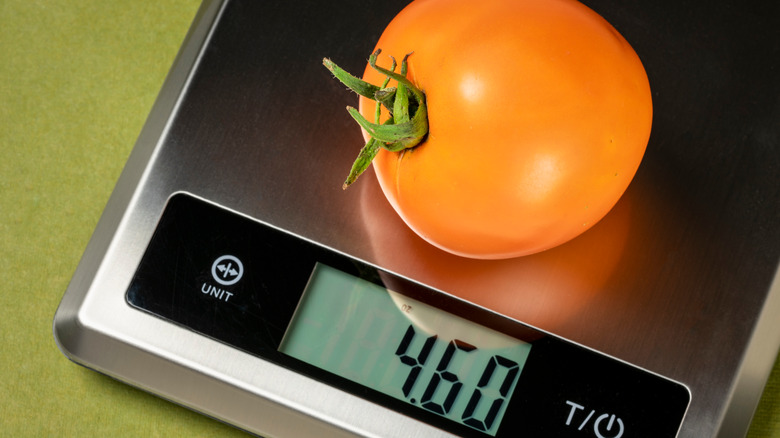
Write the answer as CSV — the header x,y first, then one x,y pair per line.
x,y
544,289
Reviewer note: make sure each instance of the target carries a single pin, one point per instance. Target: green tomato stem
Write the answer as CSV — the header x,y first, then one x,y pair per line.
x,y
407,125
364,159
357,85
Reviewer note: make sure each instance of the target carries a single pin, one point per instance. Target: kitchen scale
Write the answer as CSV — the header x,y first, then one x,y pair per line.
x,y
230,273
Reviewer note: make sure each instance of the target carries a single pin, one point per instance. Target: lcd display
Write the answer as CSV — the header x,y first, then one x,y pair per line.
x,y
406,349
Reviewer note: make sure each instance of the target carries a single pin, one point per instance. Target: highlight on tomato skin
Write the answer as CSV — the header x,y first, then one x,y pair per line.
x,y
539,113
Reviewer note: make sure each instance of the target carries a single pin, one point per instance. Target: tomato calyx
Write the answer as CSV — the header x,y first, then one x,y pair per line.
x,y
407,125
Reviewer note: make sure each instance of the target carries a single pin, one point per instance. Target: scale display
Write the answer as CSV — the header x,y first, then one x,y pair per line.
x,y
445,364
412,349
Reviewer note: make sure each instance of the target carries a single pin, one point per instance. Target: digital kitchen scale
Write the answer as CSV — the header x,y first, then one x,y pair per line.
x,y
230,273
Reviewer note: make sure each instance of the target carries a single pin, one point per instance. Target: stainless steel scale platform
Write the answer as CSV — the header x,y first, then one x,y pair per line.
x,y
679,279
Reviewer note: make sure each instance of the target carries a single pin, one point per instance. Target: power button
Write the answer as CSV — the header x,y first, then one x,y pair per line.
x,y
614,425
605,425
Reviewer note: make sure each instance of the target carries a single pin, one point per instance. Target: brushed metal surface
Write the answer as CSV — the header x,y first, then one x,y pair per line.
x,y
680,278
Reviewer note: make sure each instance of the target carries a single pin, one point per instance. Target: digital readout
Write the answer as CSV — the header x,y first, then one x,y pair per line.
x,y
406,349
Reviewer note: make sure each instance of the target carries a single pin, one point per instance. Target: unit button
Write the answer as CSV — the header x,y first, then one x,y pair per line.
x,y
227,270
605,425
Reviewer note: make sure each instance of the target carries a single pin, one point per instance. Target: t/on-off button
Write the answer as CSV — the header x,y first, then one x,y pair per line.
x,y
612,429
604,425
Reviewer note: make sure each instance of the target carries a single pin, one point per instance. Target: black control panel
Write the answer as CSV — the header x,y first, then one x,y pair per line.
x,y
239,281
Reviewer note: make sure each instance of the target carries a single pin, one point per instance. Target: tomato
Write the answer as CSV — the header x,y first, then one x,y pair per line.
x,y
539,113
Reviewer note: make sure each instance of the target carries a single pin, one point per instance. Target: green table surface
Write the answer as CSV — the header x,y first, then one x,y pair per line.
x,y
77,80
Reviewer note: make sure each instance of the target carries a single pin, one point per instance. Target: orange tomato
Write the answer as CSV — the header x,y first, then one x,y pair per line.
x,y
539,114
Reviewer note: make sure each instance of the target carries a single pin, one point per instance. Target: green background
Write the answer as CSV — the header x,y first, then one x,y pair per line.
x,y
77,80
